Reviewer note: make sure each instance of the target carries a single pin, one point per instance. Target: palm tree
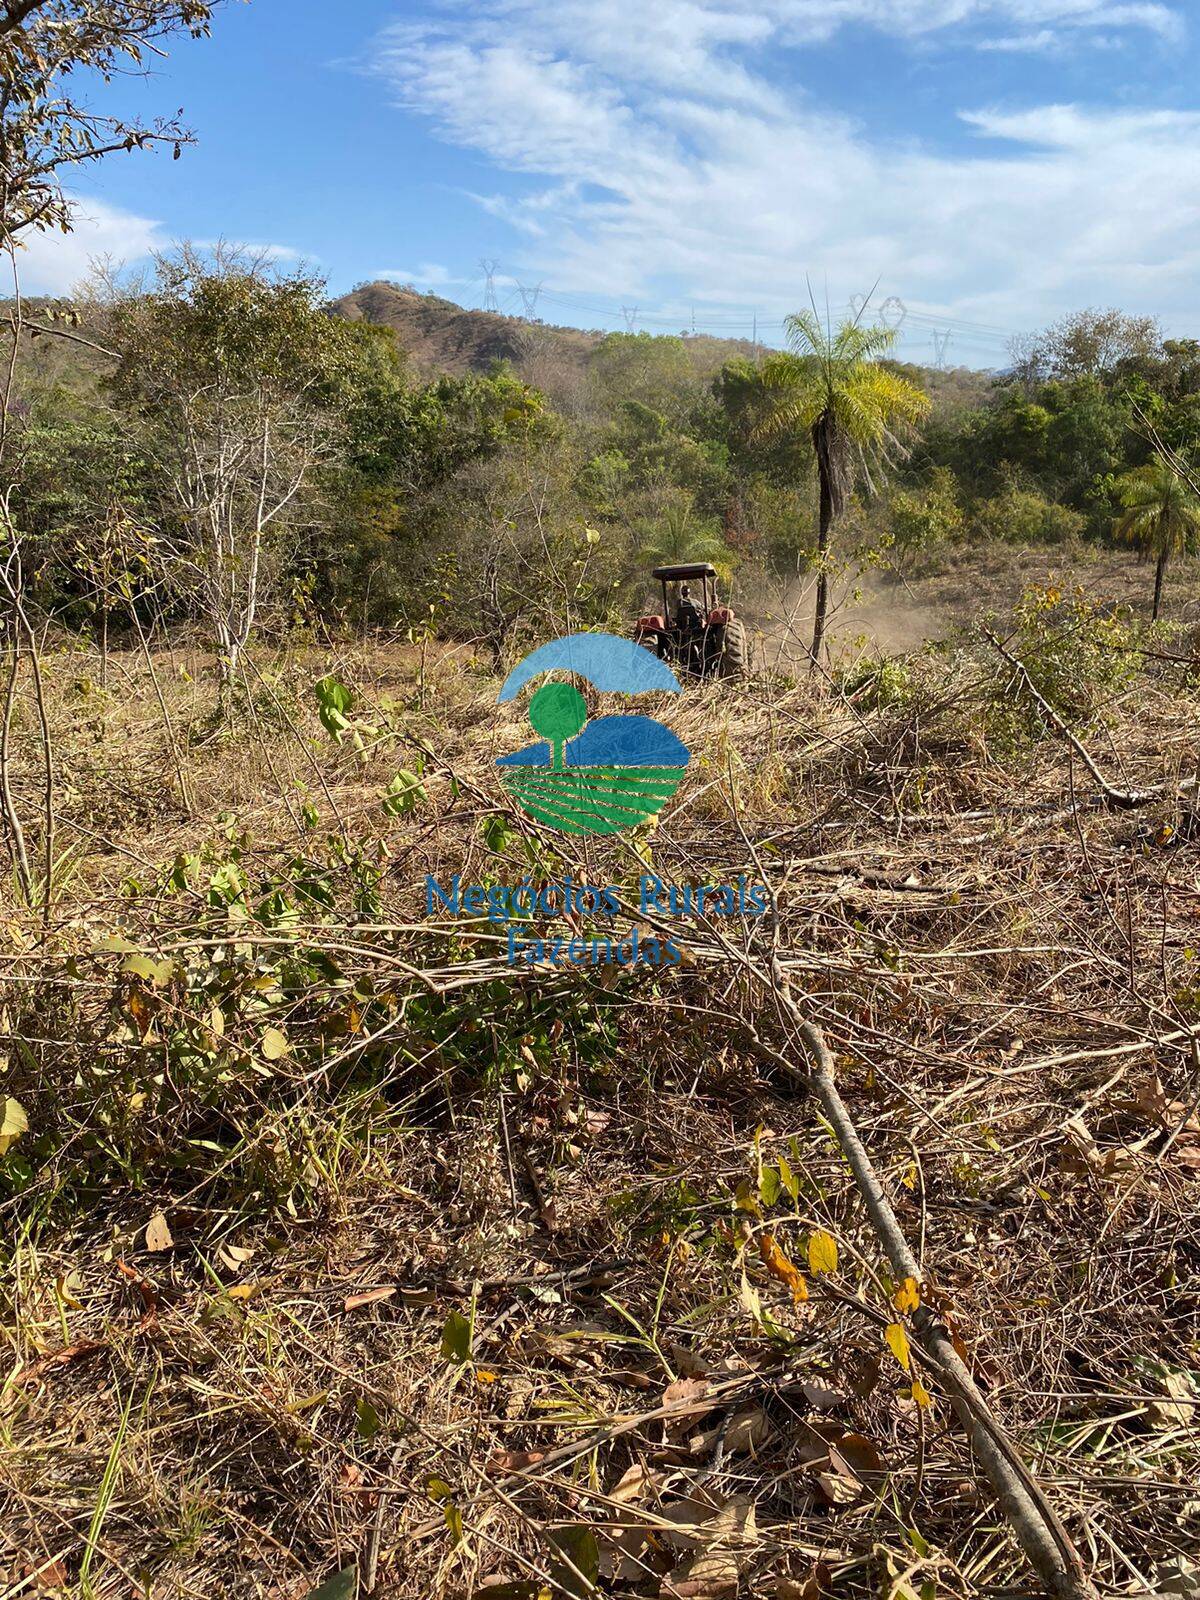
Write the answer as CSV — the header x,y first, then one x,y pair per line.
x,y
1162,516
677,534
830,384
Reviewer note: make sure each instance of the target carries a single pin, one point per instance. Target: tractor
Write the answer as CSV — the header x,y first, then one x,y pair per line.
x,y
703,639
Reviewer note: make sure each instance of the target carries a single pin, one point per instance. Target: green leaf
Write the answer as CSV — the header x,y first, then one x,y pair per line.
x,y
330,692
456,1339
333,701
496,833
822,1252
368,1418
13,1123
342,1587
788,1178
576,1545
156,973
403,793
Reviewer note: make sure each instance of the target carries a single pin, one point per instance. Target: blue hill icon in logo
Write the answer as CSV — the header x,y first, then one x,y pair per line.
x,y
595,777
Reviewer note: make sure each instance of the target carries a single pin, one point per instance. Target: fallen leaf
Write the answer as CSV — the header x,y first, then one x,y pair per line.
x,y
686,1394
822,1396
728,1540
634,1482
822,1252
456,1339
920,1393
1179,1407
857,1451
60,1358
53,1576
804,1588
369,1297
778,1265
897,1343
621,1553
746,1431
839,1488
243,1291
711,1575
506,1461
158,1234
1177,1577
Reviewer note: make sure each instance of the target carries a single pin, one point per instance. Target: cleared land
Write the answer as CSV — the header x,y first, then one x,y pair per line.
x,y
342,1243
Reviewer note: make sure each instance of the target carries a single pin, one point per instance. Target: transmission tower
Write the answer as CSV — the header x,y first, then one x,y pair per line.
x,y
529,299
630,313
892,313
940,342
488,267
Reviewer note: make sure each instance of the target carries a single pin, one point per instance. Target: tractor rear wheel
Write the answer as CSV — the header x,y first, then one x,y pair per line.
x,y
734,659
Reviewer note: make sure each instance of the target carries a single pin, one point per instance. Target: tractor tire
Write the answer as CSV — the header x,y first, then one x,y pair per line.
x,y
734,660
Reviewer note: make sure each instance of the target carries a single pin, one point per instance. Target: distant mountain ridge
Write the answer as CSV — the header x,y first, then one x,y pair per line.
x,y
441,336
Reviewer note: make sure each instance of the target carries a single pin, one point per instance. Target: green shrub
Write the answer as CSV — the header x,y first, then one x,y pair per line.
x,y
1019,516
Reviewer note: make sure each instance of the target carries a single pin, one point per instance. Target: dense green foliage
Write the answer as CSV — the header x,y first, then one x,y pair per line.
x,y
463,503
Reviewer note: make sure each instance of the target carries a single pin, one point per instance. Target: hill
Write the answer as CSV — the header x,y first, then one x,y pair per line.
x,y
441,336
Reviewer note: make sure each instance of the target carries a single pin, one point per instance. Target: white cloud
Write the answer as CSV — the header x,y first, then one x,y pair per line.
x,y
1025,43
53,263
665,160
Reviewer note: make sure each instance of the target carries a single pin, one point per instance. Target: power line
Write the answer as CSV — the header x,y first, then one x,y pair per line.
x,y
893,312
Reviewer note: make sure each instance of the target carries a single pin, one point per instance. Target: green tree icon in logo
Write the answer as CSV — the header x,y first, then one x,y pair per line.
x,y
557,711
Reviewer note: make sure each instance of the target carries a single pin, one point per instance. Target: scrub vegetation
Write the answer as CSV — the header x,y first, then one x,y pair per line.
x,y
352,1247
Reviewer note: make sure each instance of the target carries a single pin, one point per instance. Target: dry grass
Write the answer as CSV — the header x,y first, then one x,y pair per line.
x,y
574,1162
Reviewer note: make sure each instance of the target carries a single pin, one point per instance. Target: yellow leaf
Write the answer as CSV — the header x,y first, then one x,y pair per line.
x,y
158,1234
274,1044
13,1122
897,1343
822,1252
907,1297
920,1393
778,1265
242,1291
482,1375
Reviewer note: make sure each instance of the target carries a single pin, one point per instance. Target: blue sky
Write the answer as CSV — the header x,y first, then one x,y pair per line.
x,y
983,165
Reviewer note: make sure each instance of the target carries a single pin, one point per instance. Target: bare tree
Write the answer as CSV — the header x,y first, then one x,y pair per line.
x,y
229,371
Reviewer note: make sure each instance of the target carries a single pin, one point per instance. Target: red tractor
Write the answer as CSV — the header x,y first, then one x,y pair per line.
x,y
701,637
